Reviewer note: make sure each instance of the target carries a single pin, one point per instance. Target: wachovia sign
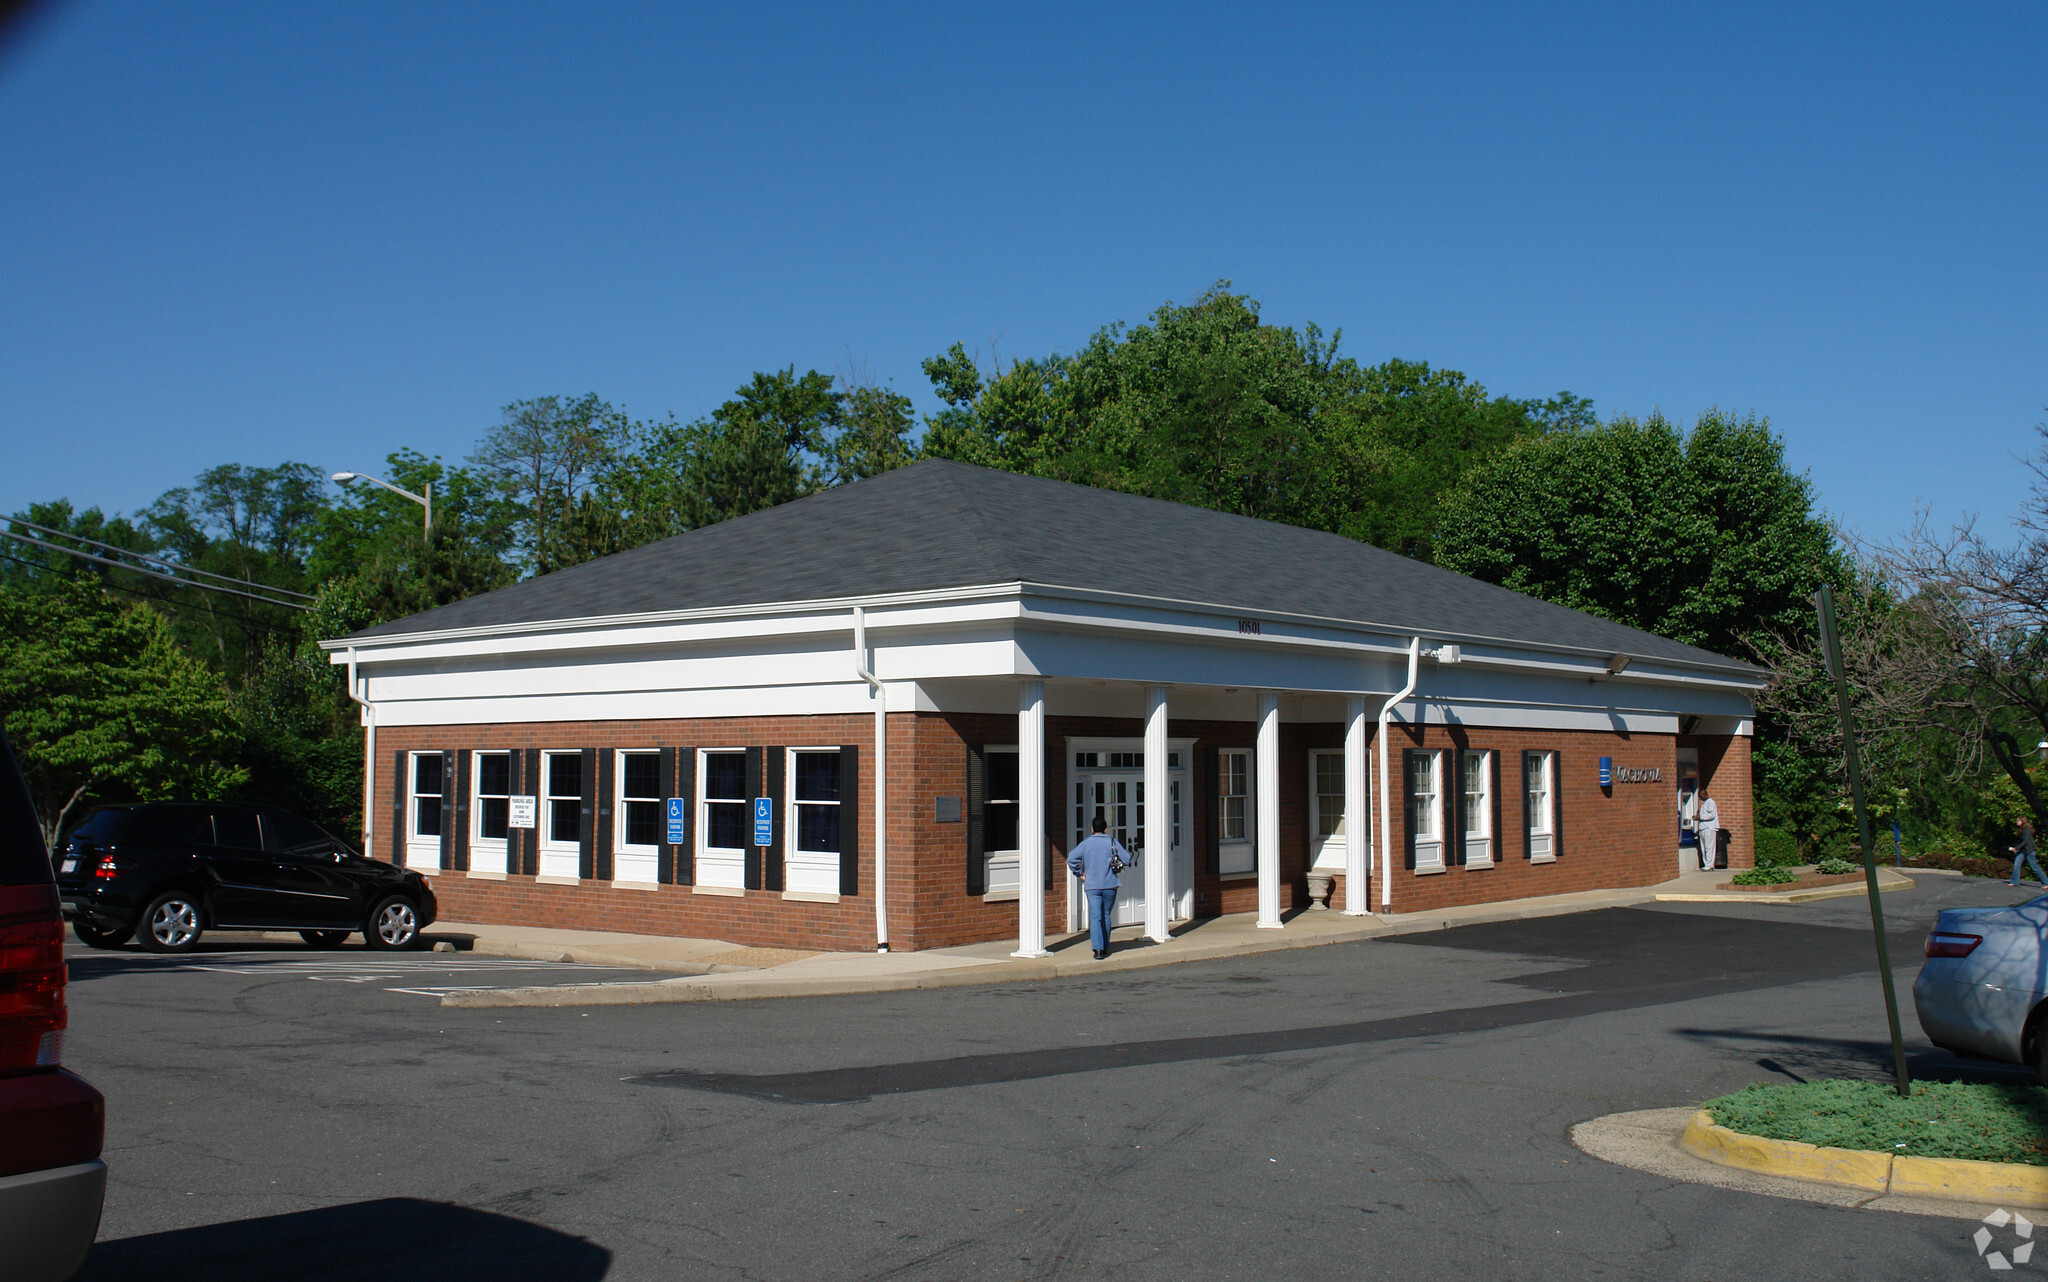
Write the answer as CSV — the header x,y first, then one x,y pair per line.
x,y
1610,774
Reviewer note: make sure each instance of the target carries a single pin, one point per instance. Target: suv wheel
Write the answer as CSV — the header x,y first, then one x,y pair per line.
x,y
171,923
394,923
94,937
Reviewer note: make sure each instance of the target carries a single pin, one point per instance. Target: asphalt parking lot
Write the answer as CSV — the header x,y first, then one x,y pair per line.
x,y
1390,1108
409,974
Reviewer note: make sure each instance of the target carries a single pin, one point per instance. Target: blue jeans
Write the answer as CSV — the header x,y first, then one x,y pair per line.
x,y
1100,904
2019,857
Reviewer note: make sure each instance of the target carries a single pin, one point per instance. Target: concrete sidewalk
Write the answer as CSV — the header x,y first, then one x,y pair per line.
x,y
716,970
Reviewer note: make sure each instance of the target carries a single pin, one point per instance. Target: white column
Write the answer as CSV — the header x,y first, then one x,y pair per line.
x,y
1158,816
1268,806
1031,820
1357,810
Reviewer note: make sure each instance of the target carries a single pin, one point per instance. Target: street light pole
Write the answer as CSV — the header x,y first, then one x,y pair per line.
x,y
424,500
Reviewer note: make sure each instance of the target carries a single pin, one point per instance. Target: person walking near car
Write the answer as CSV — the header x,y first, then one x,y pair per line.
x,y
2024,853
1099,859
1709,831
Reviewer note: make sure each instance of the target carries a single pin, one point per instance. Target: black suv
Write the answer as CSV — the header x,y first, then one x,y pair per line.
x,y
166,871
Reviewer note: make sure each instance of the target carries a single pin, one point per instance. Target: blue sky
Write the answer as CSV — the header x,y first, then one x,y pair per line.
x,y
243,232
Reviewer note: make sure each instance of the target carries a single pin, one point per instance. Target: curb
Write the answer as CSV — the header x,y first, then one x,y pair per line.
x,y
1942,1178
1885,885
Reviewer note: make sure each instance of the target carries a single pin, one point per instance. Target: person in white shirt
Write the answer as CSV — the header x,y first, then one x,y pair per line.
x,y
1709,830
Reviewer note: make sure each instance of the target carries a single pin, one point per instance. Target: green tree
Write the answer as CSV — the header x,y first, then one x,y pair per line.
x,y
101,703
1704,537
1209,404
542,459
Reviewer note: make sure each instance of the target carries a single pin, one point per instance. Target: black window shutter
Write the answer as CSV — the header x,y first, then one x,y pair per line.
x,y
607,767
457,770
1452,776
401,788
775,765
686,788
664,853
1557,805
1212,811
586,814
1500,839
750,875
1408,756
849,820
529,846
1522,776
977,816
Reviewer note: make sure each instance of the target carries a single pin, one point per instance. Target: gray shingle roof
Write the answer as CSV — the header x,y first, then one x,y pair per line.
x,y
941,524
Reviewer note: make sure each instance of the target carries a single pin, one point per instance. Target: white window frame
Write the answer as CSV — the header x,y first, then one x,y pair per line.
x,y
1541,835
488,856
720,869
422,852
1328,852
559,860
1428,839
637,864
808,874
1001,871
1237,856
1480,840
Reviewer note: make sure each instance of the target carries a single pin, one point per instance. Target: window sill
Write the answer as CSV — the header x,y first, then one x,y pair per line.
x,y
1434,871
550,879
636,885
1248,875
730,892
1543,859
808,897
1472,865
485,874
1002,896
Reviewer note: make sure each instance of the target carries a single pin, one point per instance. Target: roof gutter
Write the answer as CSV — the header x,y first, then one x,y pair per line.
x,y
881,772
1386,808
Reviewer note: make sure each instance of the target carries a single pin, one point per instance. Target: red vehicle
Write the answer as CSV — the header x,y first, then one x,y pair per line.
x,y
52,1181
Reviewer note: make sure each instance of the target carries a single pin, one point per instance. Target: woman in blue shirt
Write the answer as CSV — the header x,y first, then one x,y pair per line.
x,y
1099,859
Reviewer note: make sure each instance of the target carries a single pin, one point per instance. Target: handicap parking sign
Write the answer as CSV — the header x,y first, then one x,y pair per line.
x,y
764,821
675,821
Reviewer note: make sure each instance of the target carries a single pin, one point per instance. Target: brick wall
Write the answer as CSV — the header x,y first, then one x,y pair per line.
x,y
1625,835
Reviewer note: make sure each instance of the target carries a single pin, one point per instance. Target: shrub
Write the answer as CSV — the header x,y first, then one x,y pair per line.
x,y
1775,848
1836,867
1766,877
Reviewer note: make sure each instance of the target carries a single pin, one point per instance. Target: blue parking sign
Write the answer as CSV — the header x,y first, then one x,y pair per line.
x,y
764,821
676,835
1606,772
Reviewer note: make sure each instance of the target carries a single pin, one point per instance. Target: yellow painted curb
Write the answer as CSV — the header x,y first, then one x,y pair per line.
x,y
1999,1183
1948,1178
1853,1168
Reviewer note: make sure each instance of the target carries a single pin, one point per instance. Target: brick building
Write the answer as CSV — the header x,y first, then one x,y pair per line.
x,y
877,717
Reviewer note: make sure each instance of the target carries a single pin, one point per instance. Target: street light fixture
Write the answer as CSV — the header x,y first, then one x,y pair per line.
x,y
424,500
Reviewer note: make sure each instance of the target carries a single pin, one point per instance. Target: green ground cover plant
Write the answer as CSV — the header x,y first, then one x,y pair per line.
x,y
1766,877
1977,1121
1836,867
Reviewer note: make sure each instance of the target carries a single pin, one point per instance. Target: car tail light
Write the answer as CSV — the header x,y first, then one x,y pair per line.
x,y
108,868
1943,943
32,1015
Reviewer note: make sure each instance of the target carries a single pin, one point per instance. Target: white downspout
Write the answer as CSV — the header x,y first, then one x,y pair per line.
x,y
860,667
369,755
1386,800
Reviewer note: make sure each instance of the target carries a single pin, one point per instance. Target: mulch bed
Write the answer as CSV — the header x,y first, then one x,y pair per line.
x,y
1807,881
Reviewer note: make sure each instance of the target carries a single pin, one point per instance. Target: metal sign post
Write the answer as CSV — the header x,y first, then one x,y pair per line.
x,y
1831,647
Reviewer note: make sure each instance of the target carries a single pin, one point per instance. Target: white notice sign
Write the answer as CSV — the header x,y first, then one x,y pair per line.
x,y
521,812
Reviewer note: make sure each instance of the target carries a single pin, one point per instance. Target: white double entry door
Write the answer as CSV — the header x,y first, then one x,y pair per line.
x,y
1107,778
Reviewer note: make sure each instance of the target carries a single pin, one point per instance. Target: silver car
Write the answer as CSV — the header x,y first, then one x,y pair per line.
x,y
1980,991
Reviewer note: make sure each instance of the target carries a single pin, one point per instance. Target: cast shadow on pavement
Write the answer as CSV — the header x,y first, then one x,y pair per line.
x,y
396,1237
1795,1058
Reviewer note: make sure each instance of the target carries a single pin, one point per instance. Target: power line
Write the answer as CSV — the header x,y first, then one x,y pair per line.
x,y
154,574
223,609
149,559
